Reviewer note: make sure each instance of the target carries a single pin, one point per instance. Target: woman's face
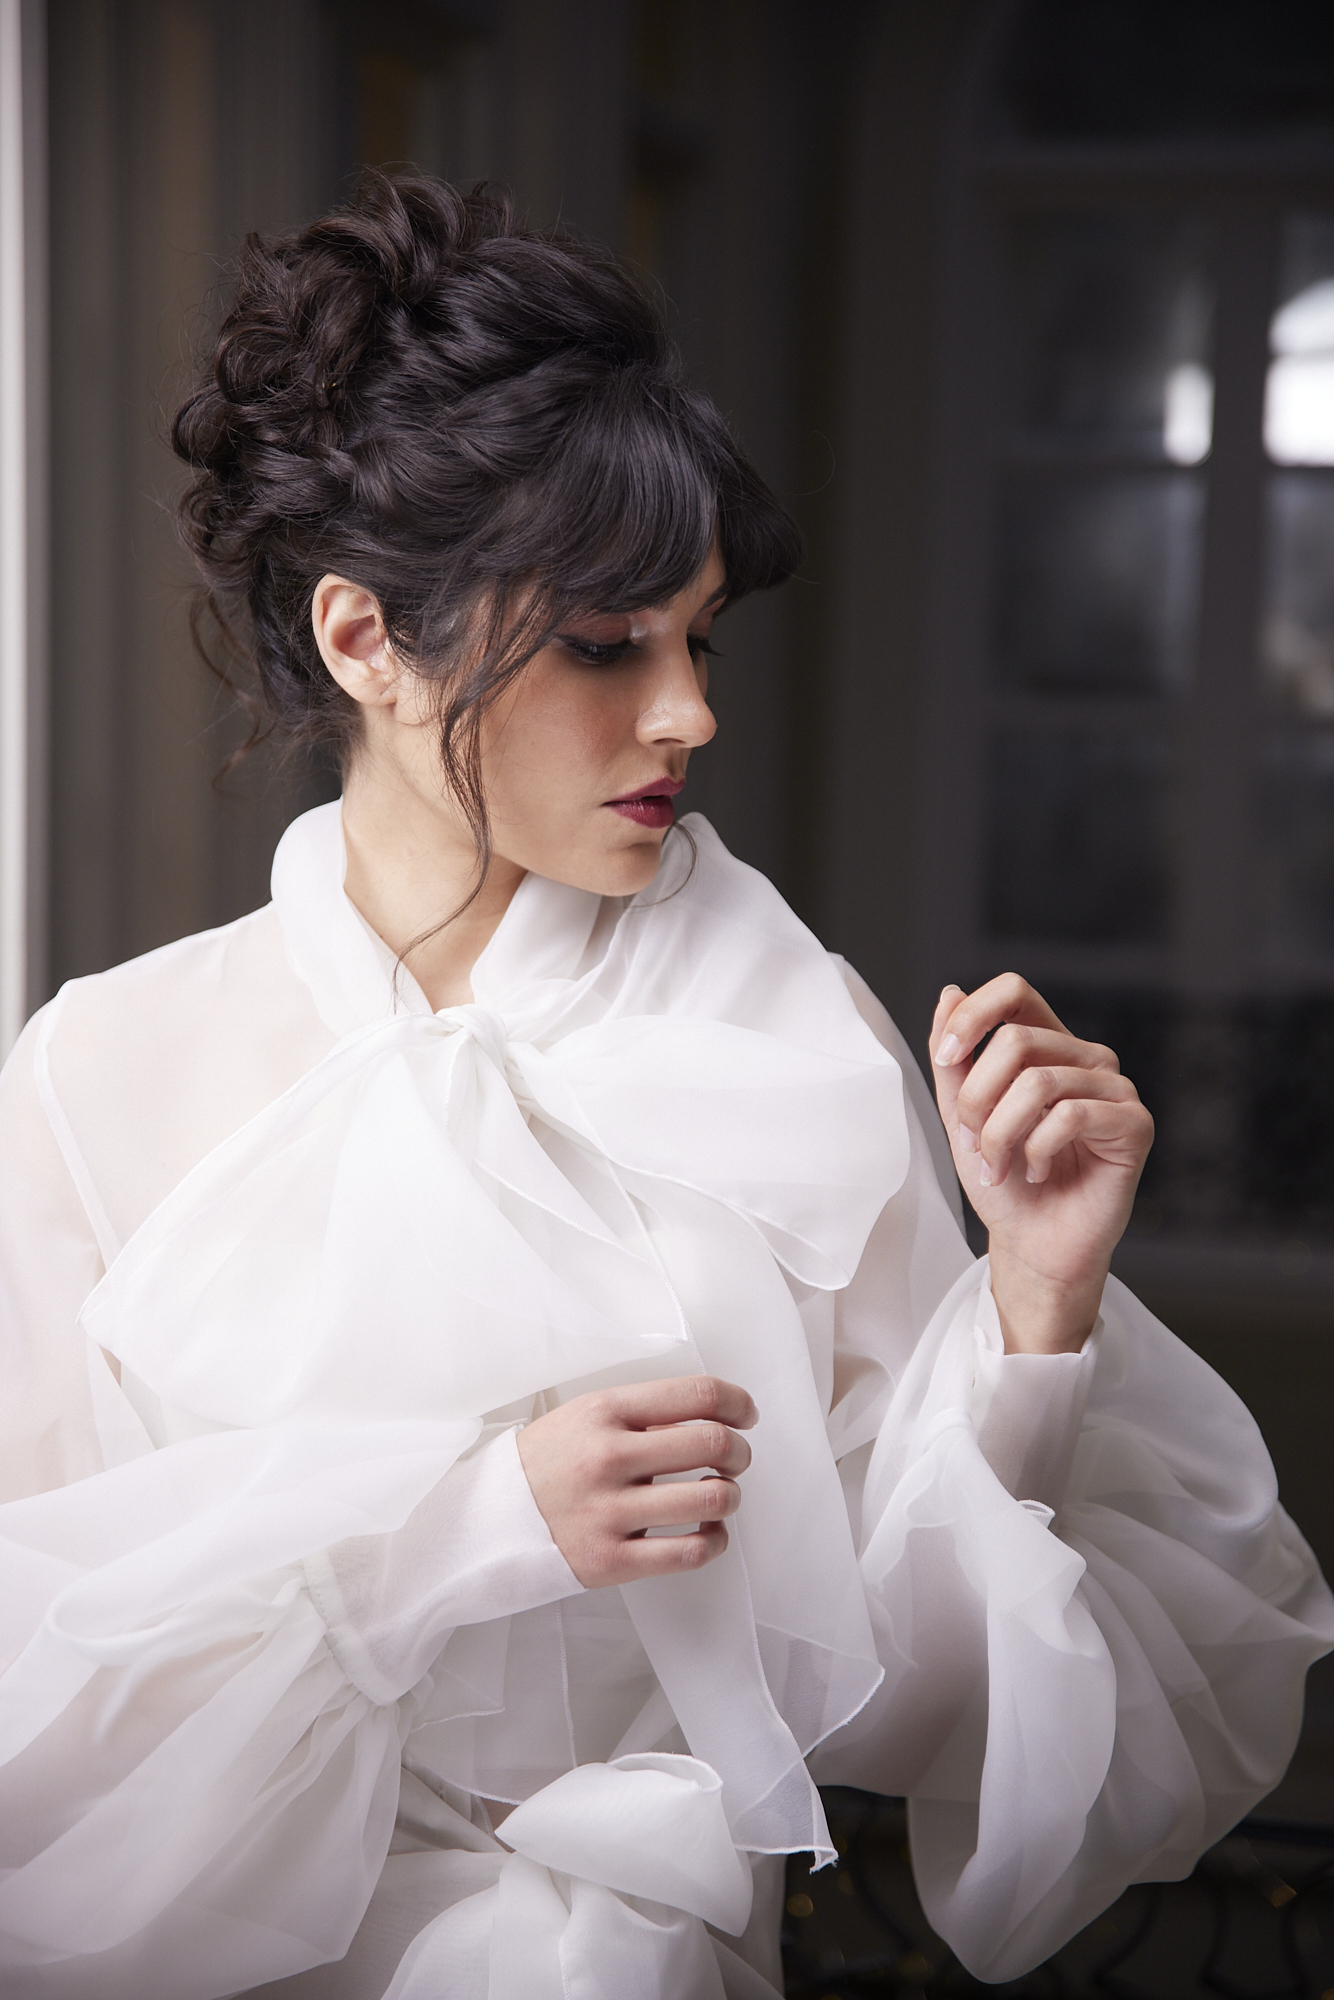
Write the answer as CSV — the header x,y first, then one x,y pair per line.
x,y
580,758
583,757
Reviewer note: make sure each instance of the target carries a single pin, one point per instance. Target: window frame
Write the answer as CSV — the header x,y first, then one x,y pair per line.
x,y
1214,959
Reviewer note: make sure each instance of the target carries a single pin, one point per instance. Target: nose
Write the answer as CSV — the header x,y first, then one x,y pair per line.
x,y
676,711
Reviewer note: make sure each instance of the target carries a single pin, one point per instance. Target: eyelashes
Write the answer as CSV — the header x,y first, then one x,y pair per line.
x,y
594,654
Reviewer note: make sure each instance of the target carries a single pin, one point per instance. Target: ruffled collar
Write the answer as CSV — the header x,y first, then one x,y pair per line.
x,y
352,974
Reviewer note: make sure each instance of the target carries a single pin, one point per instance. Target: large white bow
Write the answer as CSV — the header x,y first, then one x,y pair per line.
x,y
614,1871
443,1219
596,1174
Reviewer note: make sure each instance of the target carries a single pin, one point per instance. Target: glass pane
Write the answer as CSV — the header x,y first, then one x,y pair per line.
x,y
1097,583
1297,637
1113,316
1289,1128
1076,837
1299,390
1297,784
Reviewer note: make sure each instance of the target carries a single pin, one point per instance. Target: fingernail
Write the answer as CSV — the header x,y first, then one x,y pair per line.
x,y
967,1140
984,1174
1031,1175
947,1051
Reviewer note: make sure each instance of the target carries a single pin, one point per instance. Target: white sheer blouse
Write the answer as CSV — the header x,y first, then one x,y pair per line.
x,y
285,1261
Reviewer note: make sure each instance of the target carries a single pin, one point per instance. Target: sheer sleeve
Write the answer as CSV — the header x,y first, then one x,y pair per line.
x,y
1095,1618
49,1262
210,1648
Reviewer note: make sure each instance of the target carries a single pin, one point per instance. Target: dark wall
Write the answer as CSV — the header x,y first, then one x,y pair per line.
x,y
771,165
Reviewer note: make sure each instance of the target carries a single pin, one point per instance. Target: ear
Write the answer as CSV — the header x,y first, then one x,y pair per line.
x,y
349,631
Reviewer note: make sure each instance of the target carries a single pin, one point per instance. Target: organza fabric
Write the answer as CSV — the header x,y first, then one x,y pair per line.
x,y
285,1260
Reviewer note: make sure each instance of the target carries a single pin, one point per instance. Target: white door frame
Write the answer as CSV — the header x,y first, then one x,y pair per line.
x,y
23,588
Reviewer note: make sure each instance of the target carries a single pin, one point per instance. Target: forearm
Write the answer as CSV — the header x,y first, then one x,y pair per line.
x,y
475,1548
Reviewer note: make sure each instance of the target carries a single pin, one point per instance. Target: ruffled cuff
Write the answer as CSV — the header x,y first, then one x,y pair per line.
x,y
1027,1409
476,1548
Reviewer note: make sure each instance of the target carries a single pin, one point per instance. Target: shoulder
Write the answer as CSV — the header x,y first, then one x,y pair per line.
x,y
155,1061
206,996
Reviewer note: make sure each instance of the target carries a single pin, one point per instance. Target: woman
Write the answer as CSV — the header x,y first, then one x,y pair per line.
x,y
406,1286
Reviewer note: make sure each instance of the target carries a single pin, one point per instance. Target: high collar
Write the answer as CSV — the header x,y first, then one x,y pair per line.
x,y
351,972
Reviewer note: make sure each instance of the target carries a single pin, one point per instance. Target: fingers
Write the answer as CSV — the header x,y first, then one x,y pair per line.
x,y
624,1551
644,1455
962,1019
643,1405
591,1464
681,1505
617,1548
1027,1102
1120,1132
1012,1052
992,1101
664,1555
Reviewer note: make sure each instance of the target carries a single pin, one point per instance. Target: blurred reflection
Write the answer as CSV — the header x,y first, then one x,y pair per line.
x,y
1299,390
1188,413
1075,837
1114,315
1097,583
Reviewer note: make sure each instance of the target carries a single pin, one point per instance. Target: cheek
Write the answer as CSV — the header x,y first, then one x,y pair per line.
x,y
561,734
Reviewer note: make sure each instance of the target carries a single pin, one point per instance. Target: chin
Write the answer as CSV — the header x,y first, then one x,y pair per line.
x,y
617,871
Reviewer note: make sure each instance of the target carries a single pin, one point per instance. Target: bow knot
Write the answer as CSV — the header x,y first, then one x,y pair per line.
x,y
481,1025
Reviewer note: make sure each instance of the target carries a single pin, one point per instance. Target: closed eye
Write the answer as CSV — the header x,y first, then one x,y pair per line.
x,y
595,653
609,653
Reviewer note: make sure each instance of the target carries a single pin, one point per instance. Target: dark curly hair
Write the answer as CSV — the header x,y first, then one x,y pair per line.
x,y
482,424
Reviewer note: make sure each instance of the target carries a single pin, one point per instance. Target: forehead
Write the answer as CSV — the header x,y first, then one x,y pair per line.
x,y
704,590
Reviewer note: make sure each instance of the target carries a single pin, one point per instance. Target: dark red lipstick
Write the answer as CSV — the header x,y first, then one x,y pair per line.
x,y
651,804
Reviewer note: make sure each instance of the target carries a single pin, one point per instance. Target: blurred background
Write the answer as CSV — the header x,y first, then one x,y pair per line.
x,y
1026,307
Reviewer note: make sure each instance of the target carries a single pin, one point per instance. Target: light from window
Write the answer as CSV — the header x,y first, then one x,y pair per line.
x,y
1188,413
1299,392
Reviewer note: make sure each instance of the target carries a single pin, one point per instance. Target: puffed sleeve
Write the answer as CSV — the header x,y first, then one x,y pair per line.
x,y
211,1650
49,1262
1095,1618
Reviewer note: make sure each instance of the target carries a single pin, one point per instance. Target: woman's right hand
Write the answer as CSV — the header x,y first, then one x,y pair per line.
x,y
591,1464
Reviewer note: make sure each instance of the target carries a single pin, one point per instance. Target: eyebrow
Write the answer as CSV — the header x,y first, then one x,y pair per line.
x,y
721,591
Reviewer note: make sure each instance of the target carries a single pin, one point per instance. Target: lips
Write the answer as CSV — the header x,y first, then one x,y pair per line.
x,y
651,804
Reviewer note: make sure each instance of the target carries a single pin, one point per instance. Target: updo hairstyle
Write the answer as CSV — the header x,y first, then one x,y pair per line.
x,y
482,424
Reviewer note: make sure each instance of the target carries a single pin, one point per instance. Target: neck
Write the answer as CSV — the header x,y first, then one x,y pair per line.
x,y
410,863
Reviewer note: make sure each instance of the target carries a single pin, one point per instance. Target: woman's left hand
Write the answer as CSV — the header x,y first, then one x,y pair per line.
x,y
1049,1140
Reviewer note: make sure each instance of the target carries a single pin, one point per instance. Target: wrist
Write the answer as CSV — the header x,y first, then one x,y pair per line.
x,y
1039,1314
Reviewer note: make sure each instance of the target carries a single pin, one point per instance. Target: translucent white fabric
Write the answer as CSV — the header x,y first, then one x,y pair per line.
x,y
285,1258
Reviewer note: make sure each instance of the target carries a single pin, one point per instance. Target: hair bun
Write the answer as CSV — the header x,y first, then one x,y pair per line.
x,y
421,394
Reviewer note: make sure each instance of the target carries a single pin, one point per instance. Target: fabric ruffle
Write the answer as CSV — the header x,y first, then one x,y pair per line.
x,y
181,1757
1074,1704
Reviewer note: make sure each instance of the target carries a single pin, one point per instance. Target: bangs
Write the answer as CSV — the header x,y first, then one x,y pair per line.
x,y
640,483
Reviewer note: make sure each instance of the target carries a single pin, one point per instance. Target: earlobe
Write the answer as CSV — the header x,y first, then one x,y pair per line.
x,y
349,631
